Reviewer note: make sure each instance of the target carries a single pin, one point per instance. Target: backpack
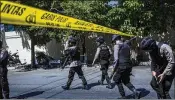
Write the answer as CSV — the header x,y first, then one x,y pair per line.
x,y
104,52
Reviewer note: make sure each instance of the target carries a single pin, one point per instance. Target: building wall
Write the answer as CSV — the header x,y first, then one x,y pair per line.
x,y
17,42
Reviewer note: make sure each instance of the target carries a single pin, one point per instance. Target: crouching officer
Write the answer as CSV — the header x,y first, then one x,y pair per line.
x,y
162,66
122,66
103,53
75,65
4,86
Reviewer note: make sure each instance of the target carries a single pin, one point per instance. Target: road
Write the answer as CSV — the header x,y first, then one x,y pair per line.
x,y
47,84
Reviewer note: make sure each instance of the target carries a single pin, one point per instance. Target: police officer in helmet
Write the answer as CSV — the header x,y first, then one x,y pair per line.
x,y
75,65
122,66
162,66
4,86
103,53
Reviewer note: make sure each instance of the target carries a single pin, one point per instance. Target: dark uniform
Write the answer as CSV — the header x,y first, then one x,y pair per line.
x,y
4,86
75,65
162,66
123,66
103,53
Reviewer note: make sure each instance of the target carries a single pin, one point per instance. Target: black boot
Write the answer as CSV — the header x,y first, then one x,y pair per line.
x,y
109,86
159,96
136,93
121,89
167,96
123,97
100,82
66,87
109,82
85,87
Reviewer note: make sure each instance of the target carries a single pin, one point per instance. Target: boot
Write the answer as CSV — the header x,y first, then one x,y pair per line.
x,y
85,87
121,89
66,87
123,97
159,96
109,86
100,82
167,96
109,82
137,94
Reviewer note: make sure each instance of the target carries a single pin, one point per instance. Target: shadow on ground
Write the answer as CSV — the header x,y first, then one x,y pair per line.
x,y
143,93
27,95
89,86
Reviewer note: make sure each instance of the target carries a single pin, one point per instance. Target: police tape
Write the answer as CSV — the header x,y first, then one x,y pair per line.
x,y
14,13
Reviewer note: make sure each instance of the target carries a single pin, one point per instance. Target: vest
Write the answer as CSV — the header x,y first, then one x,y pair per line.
x,y
124,55
104,52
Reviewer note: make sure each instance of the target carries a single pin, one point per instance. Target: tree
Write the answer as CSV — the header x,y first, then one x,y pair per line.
x,y
38,35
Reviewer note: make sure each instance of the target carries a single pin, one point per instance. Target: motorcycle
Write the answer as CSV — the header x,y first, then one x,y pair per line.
x,y
13,59
44,61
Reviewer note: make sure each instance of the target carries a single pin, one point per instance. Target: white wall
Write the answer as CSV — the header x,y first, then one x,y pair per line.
x,y
14,42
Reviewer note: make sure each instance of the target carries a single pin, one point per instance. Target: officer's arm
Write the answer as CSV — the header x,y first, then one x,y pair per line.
x,y
96,55
116,51
3,56
110,50
167,51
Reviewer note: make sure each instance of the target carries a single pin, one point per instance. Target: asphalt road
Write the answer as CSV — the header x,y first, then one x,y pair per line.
x,y
47,84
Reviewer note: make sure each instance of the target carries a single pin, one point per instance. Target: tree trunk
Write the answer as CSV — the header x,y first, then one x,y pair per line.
x,y
33,65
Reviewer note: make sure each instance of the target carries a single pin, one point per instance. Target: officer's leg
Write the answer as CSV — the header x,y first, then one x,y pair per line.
x,y
1,95
70,78
118,82
5,84
155,86
81,76
167,85
103,74
125,77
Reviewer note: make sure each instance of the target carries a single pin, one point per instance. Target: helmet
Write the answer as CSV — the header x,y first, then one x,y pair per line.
x,y
72,40
115,37
147,44
100,39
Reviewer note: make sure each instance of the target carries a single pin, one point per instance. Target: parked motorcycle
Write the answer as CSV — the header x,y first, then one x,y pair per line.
x,y
13,59
45,61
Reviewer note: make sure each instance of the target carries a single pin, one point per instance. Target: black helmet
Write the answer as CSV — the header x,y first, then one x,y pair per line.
x,y
147,44
72,40
116,37
100,39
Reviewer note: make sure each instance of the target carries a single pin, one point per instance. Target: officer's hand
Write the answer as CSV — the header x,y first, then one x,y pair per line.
x,y
161,77
154,73
92,64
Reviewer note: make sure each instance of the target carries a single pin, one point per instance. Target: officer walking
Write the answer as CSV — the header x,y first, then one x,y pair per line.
x,y
73,52
103,53
162,66
4,86
122,66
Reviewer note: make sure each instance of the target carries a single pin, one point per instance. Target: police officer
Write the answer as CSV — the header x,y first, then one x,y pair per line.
x,y
75,65
162,66
122,66
4,86
103,53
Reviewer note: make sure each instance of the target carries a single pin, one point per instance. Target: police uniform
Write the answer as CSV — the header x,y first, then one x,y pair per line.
x,y
162,62
103,53
4,86
75,67
123,68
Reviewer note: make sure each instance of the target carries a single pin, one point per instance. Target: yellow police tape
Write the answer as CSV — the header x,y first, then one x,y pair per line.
x,y
13,13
